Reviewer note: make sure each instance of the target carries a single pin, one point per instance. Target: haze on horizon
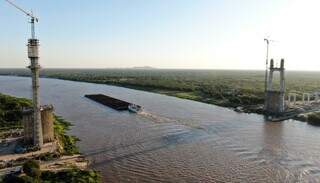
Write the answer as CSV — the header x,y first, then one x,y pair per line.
x,y
190,34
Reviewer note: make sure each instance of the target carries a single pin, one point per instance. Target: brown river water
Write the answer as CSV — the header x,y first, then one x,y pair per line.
x,y
178,140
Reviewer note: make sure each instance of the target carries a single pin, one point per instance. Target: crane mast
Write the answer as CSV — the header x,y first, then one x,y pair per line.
x,y
33,54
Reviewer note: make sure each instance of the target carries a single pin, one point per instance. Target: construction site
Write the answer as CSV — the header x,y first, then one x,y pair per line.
x,y
281,104
38,138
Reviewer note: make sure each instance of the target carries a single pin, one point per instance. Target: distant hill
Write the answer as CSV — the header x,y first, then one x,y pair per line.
x,y
144,67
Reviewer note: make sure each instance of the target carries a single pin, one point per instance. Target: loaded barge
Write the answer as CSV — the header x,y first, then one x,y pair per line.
x,y
114,103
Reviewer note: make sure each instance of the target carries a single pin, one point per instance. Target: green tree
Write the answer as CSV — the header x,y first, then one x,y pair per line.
x,y
32,169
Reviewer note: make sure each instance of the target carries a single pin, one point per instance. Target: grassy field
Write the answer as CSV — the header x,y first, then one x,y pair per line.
x,y
229,88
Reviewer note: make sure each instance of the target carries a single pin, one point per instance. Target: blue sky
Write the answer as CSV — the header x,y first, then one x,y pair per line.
x,y
197,34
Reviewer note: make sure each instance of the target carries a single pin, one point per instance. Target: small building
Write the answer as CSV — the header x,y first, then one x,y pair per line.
x,y
46,121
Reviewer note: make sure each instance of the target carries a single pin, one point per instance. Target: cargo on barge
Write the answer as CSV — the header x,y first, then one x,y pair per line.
x,y
114,103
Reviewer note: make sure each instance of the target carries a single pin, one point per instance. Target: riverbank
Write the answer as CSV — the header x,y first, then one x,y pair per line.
x,y
58,161
241,91
238,89
232,89
222,95
312,118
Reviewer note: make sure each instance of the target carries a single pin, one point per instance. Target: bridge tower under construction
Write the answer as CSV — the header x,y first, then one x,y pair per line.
x,y
35,67
274,101
33,54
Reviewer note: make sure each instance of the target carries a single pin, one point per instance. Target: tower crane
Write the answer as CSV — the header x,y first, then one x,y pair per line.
x,y
29,14
33,54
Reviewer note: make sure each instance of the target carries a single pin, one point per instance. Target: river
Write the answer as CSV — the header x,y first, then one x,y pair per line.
x,y
178,140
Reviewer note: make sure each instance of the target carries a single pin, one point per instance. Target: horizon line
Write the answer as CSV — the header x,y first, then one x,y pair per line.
x,y
154,68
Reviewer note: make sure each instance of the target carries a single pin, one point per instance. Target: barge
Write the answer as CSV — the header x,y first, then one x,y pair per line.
x,y
114,103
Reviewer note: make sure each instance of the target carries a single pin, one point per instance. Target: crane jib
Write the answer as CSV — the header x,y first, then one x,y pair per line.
x,y
22,10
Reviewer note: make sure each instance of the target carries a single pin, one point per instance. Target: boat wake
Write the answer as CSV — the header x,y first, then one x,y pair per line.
x,y
161,119
155,118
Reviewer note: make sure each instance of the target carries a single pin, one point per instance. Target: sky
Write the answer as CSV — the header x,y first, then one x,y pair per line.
x,y
186,34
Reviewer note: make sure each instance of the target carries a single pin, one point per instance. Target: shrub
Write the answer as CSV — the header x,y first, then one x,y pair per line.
x,y
72,175
48,156
16,179
27,179
32,168
314,119
67,142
